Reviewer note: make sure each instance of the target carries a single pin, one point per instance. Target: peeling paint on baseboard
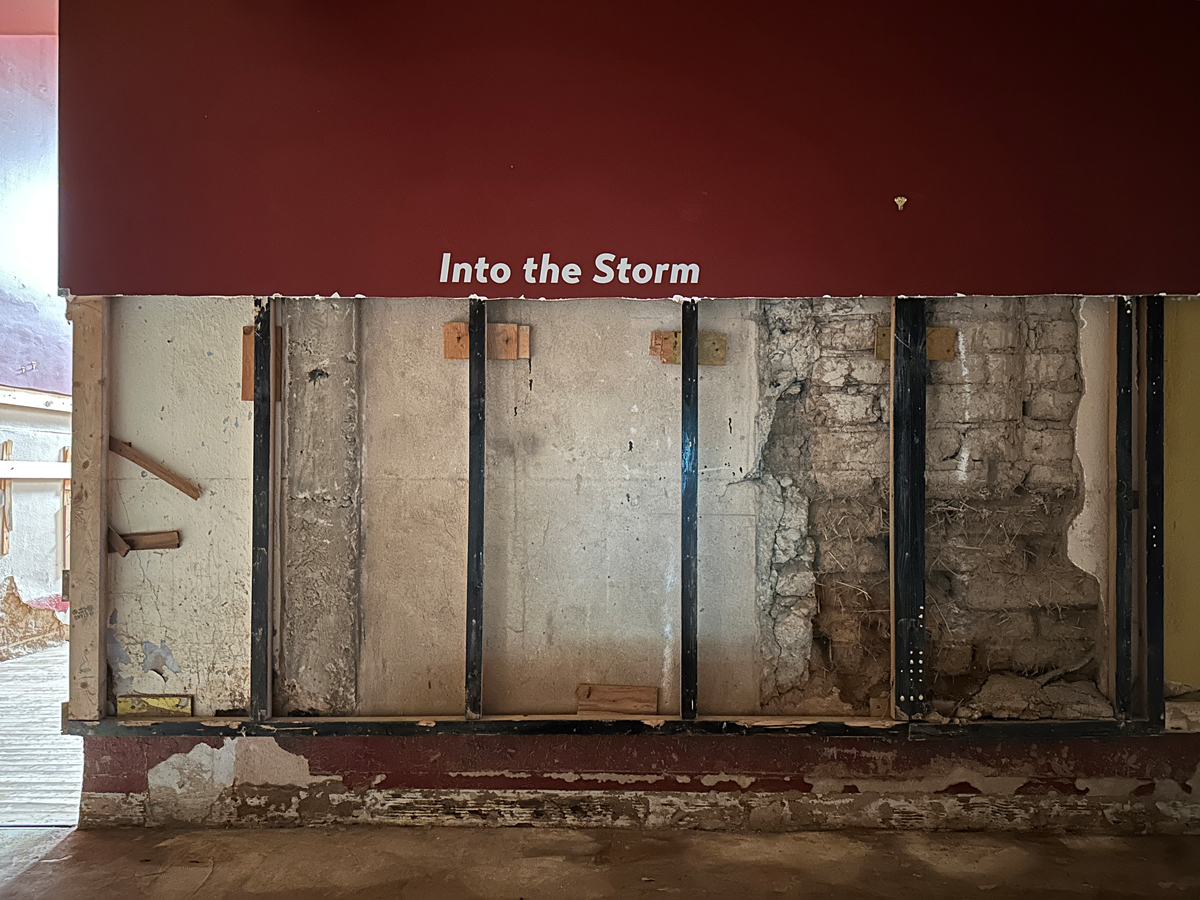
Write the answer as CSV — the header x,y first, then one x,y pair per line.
x,y
328,803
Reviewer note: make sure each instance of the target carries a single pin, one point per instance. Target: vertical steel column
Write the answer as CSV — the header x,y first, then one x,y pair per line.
x,y
689,478
260,576
909,368
1155,698
1125,502
477,335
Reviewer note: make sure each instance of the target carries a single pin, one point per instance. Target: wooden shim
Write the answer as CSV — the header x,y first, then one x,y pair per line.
x,y
156,705
89,506
248,360
941,344
668,347
632,699
152,540
116,543
505,341
125,450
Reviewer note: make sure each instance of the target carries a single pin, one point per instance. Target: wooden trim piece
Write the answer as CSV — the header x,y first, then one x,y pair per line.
x,y
248,363
29,470
89,505
34,399
126,450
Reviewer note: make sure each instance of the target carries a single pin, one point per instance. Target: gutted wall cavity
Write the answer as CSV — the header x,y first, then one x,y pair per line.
x,y
823,598
1013,622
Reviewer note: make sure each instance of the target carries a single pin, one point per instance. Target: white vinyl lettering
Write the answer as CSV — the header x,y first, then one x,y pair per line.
x,y
547,271
682,270
605,274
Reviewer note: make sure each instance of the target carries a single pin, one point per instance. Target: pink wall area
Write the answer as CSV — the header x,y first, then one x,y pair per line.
x,y
232,147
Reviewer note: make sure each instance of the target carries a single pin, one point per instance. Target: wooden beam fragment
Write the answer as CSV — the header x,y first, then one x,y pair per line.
x,y
504,341
632,699
940,343
125,450
116,543
152,540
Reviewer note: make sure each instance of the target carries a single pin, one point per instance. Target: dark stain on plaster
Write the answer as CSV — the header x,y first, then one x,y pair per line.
x,y
315,374
961,787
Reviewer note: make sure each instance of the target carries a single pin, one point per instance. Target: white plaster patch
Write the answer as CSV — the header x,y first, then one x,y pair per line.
x,y
189,786
260,760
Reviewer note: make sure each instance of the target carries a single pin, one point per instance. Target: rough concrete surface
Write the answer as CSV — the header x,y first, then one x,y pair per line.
x,y
319,620
510,864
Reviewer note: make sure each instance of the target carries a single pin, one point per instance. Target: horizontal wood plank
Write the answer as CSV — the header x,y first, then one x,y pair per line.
x,y
633,699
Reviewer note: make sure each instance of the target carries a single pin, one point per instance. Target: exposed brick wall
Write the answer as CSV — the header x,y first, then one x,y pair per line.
x,y
1003,485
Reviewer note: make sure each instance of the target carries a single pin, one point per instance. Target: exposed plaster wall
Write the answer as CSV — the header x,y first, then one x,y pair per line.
x,y
414,520
179,620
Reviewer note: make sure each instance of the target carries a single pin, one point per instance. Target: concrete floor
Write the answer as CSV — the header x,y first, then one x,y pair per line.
x,y
506,864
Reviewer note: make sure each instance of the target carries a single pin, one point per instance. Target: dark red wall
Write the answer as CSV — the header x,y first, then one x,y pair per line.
x,y
313,146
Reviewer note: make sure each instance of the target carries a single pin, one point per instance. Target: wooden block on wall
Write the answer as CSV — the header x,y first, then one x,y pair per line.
x,y
668,347
248,360
505,341
940,343
631,699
